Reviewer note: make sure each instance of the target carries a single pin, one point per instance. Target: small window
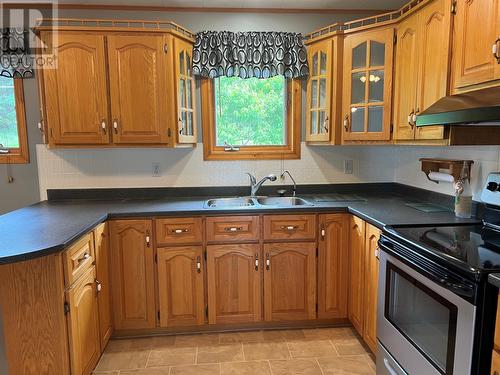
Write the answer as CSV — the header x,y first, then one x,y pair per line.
x,y
13,138
251,118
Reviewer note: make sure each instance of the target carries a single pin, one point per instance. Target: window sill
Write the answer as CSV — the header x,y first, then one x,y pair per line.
x,y
14,158
256,153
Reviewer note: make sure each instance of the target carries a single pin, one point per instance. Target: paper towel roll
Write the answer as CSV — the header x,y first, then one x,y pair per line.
x,y
441,177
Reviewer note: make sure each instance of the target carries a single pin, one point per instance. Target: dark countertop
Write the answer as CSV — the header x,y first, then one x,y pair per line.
x,y
50,226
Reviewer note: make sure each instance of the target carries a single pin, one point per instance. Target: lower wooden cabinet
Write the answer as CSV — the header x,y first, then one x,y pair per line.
x,y
371,286
102,261
357,229
132,268
234,283
181,286
333,271
290,281
495,363
83,324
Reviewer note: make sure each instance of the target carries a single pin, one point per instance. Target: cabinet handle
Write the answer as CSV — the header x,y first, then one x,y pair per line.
x,y
256,262
268,262
289,227
98,285
83,258
410,118
104,126
325,124
148,239
495,50
377,253
179,231
323,232
233,229
115,126
346,123
165,48
198,264
181,126
389,367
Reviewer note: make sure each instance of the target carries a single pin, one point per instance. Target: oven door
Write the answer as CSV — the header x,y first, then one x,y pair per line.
x,y
425,327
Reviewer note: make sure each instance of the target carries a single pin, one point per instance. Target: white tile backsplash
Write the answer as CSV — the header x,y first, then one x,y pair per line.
x,y
132,167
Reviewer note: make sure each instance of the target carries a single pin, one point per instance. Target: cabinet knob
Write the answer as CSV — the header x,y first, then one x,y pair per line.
x,y
148,239
410,118
289,227
323,232
346,123
233,229
198,264
83,258
98,285
179,231
115,126
495,49
104,126
268,262
256,262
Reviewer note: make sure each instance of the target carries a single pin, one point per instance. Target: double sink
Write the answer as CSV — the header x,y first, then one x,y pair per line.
x,y
242,202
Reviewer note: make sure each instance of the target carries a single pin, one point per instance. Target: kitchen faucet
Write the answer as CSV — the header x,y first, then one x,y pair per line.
x,y
255,186
293,180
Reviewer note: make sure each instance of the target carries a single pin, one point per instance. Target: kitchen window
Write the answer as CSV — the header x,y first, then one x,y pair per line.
x,y
13,132
251,118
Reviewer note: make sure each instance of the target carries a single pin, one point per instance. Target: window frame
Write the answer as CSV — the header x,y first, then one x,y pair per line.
x,y
18,155
275,152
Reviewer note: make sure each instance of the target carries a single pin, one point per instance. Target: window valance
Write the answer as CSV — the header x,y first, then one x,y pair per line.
x,y
249,54
15,60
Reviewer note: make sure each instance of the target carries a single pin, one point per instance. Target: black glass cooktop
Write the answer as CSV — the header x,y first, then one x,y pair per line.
x,y
471,247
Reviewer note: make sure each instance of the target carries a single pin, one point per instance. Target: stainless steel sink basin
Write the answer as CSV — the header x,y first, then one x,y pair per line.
x,y
283,201
230,202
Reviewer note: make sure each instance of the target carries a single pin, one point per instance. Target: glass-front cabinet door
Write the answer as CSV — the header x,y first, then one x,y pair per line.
x,y
319,91
185,87
367,95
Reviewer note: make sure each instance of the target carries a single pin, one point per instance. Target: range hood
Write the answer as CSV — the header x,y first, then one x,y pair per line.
x,y
481,107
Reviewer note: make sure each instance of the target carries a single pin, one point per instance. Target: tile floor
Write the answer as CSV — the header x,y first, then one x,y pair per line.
x,y
322,351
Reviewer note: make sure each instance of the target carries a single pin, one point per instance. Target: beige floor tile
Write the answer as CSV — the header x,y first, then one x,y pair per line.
x,y
123,360
266,350
204,339
172,357
163,342
312,348
246,368
349,347
212,369
126,345
328,333
283,335
355,365
303,366
236,337
220,353
147,371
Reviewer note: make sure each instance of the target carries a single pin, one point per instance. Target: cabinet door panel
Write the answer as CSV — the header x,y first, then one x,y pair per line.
x,y
333,267
405,86
475,34
181,274
356,272
83,325
290,281
132,274
102,258
138,86
371,286
75,92
234,283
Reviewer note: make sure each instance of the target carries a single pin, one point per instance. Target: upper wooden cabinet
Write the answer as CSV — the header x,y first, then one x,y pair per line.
x,y
476,47
367,88
132,274
324,90
117,87
422,69
138,87
76,100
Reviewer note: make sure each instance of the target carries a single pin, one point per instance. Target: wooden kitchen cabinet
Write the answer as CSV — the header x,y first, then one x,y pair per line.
x,y
75,93
357,230
371,286
333,270
102,264
83,324
367,85
324,91
476,37
181,274
132,273
290,281
234,275
422,69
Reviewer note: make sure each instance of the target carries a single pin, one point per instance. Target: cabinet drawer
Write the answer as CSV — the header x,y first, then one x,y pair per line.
x,y
179,231
78,258
290,227
233,229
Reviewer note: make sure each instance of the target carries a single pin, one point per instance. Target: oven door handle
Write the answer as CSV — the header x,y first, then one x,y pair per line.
x,y
389,367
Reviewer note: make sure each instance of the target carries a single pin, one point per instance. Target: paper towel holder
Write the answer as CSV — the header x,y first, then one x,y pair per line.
x,y
452,166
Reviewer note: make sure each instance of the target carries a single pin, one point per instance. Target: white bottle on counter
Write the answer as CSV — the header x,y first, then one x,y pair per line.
x,y
463,194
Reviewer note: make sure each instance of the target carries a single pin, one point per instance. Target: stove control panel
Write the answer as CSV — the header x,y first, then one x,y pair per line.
x,y
491,192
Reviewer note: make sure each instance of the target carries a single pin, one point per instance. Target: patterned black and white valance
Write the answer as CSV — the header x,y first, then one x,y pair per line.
x,y
15,60
249,54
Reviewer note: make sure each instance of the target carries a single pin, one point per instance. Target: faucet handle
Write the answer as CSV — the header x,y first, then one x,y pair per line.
x,y
253,180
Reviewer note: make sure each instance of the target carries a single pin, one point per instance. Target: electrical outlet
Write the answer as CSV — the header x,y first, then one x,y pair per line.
x,y
156,169
348,166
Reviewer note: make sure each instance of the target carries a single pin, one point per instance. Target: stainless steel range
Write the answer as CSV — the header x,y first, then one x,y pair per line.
x,y
436,311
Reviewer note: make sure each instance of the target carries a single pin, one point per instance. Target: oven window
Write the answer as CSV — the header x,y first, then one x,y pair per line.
x,y
427,320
